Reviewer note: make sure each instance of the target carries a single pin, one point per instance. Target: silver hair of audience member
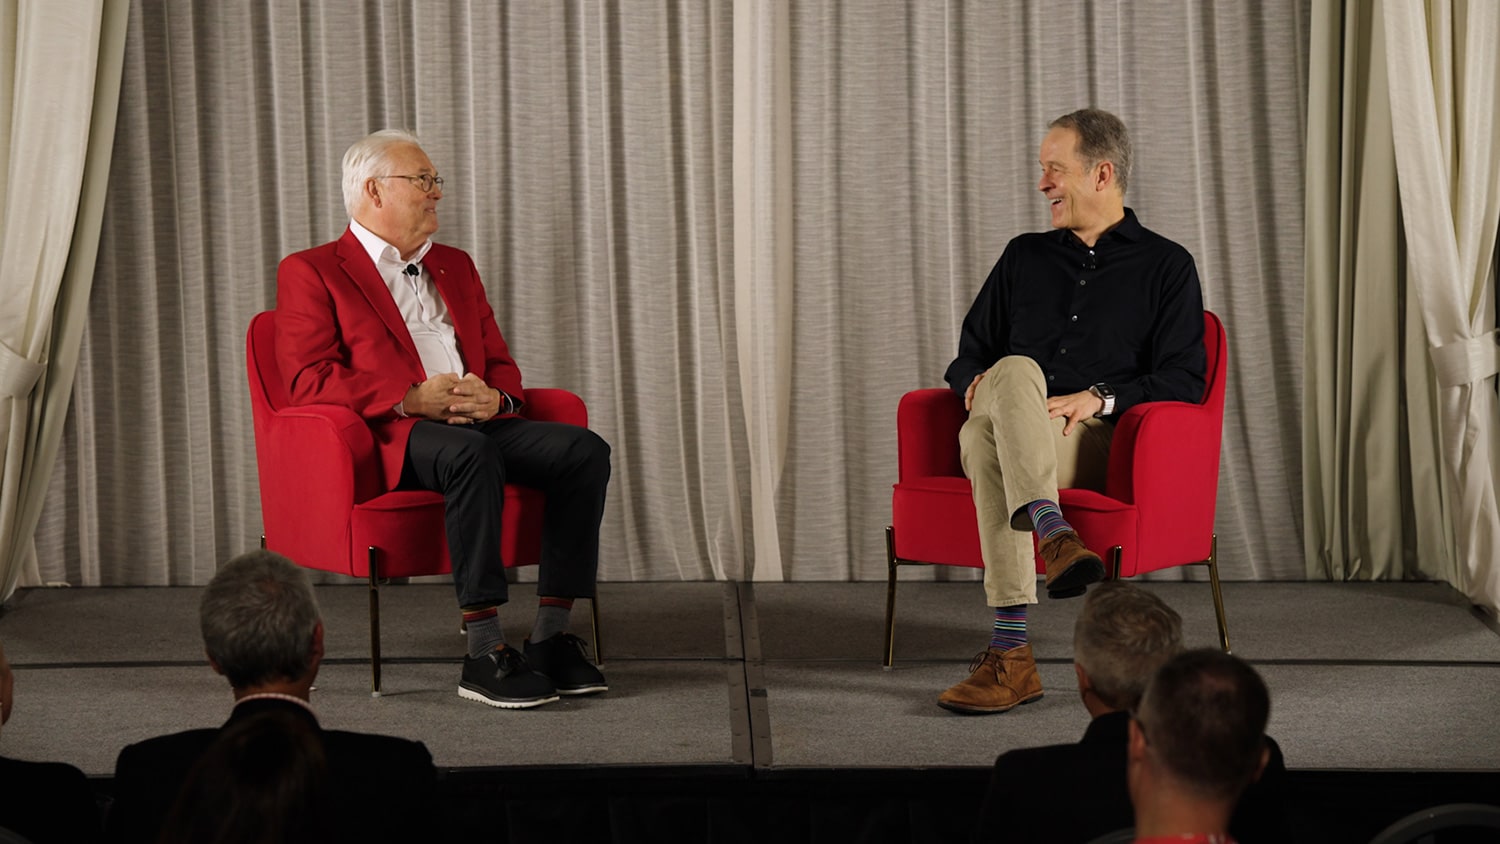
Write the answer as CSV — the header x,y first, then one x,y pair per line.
x,y
1123,634
257,616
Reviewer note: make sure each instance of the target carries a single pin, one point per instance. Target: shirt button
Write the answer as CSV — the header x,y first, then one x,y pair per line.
x,y
1074,317
1051,377
1083,282
1064,350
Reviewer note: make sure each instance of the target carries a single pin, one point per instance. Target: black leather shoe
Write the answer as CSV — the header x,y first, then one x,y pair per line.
x,y
503,678
564,659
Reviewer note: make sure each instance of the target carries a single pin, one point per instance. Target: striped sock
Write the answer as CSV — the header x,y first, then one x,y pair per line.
x,y
551,617
482,626
1010,628
1046,518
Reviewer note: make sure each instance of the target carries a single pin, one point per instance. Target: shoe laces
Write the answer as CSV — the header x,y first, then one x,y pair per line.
x,y
983,657
576,642
510,661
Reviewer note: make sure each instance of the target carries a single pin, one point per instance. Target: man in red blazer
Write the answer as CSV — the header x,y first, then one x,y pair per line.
x,y
397,328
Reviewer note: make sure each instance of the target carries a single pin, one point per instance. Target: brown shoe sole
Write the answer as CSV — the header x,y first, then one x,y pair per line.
x,y
1075,579
986,710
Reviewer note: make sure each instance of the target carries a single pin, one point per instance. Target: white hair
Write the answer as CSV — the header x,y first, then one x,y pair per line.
x,y
365,156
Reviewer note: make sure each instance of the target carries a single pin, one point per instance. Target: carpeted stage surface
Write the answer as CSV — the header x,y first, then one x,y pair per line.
x,y
743,712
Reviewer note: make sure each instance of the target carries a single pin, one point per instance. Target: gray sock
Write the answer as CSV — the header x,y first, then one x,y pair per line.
x,y
483,629
550,621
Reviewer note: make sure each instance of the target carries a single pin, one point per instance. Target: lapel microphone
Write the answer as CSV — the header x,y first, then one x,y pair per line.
x,y
411,270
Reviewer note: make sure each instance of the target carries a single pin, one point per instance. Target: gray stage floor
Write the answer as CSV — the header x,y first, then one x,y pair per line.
x,y
771,676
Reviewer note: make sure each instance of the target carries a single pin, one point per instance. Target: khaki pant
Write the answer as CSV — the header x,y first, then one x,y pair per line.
x,y
1014,454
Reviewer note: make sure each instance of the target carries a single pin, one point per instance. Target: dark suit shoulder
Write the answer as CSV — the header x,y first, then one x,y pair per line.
x,y
48,801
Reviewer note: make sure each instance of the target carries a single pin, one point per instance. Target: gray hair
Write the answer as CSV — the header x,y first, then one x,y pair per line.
x,y
1101,137
365,157
1122,636
1204,716
258,615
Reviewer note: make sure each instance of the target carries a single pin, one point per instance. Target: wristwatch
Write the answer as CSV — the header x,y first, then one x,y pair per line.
x,y
1105,395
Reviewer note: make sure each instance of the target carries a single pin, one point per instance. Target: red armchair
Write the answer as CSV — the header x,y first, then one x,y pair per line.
x,y
323,502
1157,510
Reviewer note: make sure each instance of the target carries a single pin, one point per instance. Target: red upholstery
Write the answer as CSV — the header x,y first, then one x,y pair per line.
x,y
1157,510
321,496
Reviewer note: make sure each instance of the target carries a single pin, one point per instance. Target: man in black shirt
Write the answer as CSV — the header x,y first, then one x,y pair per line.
x,y
1072,328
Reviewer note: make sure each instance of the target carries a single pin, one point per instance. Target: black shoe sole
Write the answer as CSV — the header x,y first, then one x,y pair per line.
x,y
483,697
1075,581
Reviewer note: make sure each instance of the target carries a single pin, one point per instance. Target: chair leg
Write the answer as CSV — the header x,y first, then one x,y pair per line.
x,y
594,619
1116,559
374,623
890,595
1213,579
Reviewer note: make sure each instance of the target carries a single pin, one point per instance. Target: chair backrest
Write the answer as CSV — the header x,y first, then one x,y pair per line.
x,y
1423,826
268,392
1215,344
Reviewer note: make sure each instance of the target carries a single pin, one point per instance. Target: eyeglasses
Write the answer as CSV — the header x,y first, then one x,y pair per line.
x,y
424,181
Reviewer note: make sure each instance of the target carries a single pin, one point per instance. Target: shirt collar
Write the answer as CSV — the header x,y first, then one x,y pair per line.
x,y
382,252
275,696
1129,228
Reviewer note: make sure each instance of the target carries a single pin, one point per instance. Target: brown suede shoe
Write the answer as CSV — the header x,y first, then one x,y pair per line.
x,y
1000,680
1070,566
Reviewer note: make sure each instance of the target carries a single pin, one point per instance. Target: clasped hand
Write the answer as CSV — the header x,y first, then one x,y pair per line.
x,y
453,399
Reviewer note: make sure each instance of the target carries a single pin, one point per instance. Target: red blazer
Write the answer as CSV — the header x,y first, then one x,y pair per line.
x,y
340,338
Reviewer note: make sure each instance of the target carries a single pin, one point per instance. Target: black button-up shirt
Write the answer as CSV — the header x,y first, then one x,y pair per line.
x,y
1127,312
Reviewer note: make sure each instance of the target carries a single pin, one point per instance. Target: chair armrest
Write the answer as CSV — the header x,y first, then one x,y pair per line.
x,y
549,404
927,424
320,451
1164,457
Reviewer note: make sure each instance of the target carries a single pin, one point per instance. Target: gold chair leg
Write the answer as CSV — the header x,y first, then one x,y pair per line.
x,y
374,623
1213,579
890,595
594,619
1116,560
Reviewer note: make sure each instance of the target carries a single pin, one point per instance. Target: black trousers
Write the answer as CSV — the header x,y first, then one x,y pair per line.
x,y
471,464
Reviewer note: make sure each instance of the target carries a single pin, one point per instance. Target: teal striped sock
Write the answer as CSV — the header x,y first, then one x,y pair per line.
x,y
1010,628
1046,518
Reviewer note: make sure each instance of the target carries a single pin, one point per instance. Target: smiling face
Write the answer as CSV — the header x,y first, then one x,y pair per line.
x,y
1082,198
397,209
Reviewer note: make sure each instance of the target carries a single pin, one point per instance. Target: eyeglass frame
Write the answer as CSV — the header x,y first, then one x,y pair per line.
x,y
437,181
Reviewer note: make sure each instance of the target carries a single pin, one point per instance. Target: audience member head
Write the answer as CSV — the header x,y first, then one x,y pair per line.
x,y
1197,741
1122,636
261,626
1101,137
263,780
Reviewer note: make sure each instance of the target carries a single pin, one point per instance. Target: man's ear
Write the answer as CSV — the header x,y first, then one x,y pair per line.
x,y
1260,768
372,191
1136,749
1084,683
214,664
317,642
1104,175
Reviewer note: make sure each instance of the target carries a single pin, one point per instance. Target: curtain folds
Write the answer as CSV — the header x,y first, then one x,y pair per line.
x,y
1444,60
1403,187
59,86
739,229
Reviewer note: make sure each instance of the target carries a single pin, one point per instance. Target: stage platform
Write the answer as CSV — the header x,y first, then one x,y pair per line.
x,y
762,712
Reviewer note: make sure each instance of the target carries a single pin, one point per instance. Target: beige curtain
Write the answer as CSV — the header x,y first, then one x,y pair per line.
x,y
1399,434
740,229
1444,67
59,83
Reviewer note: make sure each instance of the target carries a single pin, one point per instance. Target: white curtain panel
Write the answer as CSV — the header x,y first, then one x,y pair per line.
x,y
602,159
59,66
1444,63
